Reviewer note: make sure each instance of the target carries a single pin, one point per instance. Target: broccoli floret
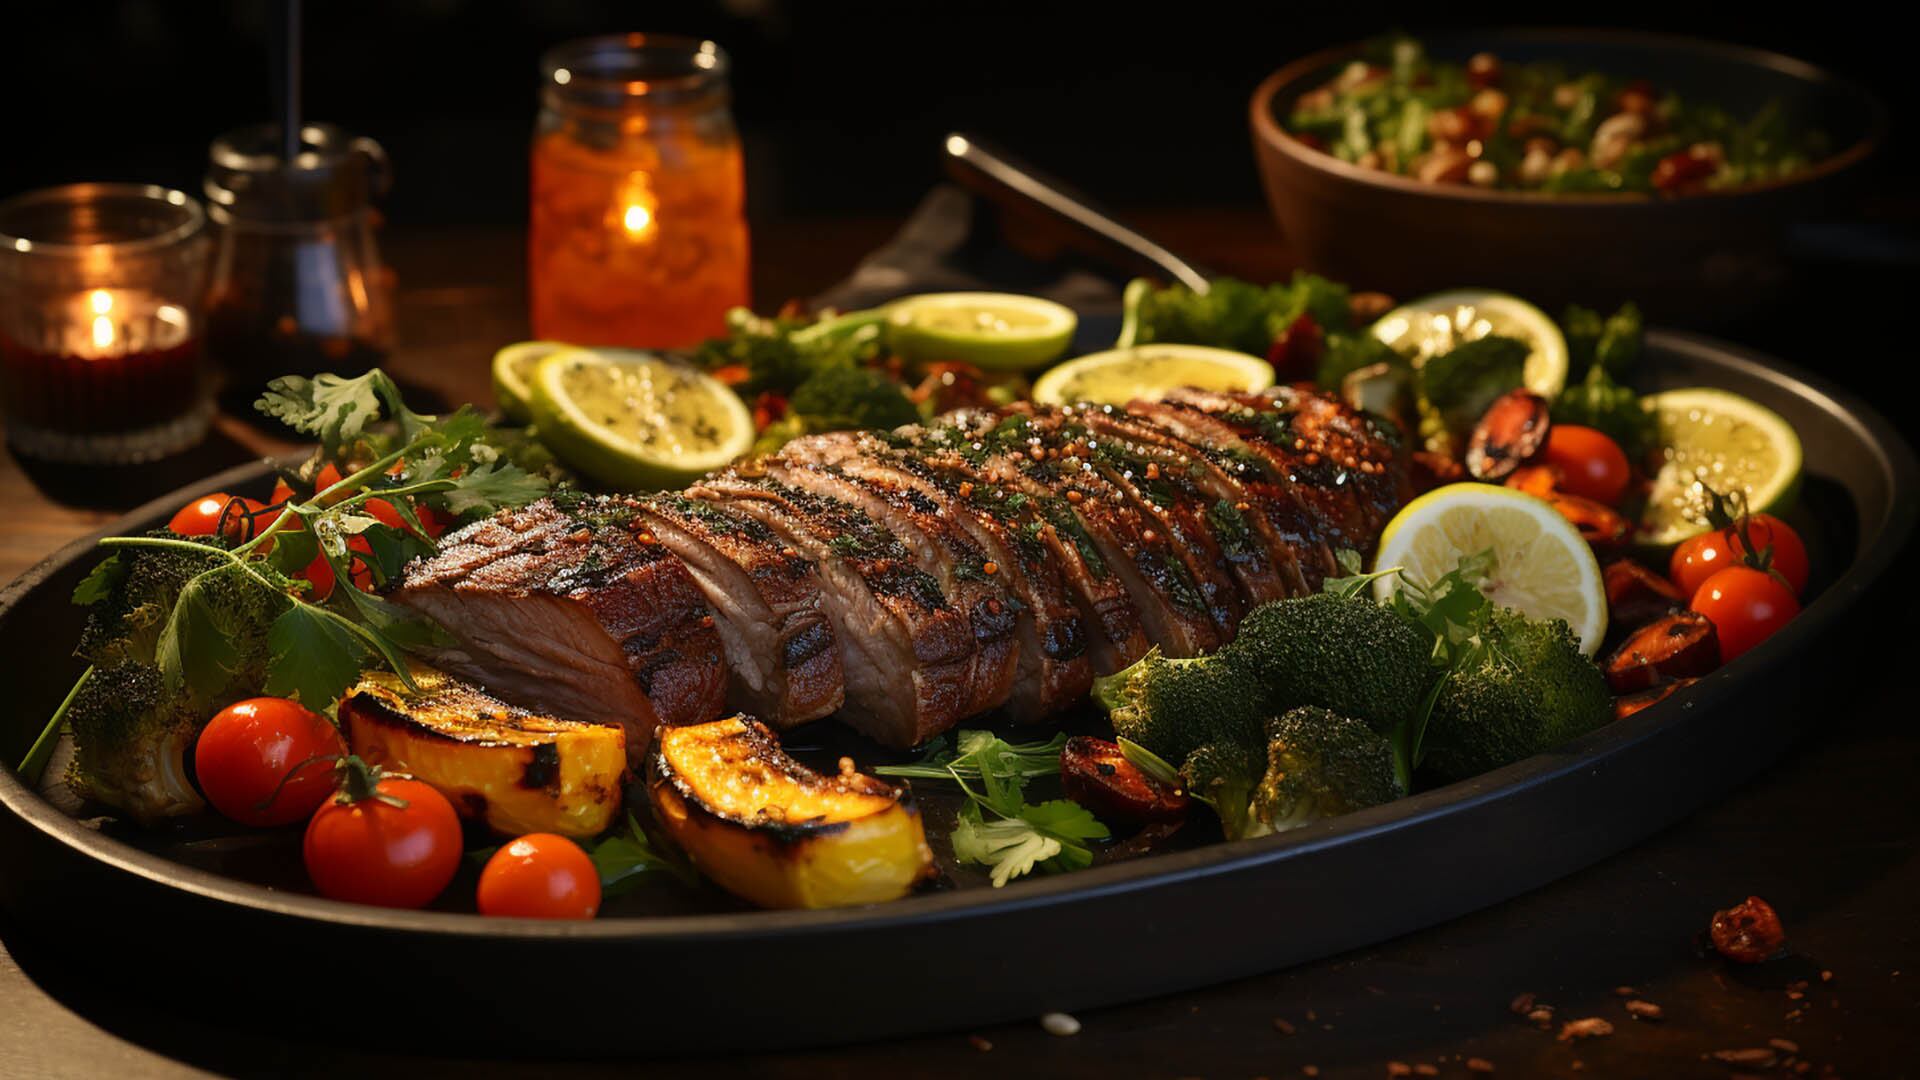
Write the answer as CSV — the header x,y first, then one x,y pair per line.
x,y
1349,655
1600,403
1320,765
130,729
1456,386
1345,354
839,398
781,353
1529,689
1224,775
1233,314
130,739
1612,343
1173,707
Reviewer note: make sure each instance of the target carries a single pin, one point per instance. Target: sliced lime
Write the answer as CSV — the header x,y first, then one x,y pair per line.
x,y
995,331
1118,376
1435,324
633,420
1711,439
513,373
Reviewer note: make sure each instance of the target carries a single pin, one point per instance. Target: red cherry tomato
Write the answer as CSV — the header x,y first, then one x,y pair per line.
x,y
1746,607
204,516
540,876
1591,465
250,747
382,840
1703,556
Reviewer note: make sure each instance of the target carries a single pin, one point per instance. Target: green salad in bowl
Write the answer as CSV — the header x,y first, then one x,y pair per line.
x,y
1542,126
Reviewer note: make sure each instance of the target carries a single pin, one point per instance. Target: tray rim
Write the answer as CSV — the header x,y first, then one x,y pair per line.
x,y
1881,542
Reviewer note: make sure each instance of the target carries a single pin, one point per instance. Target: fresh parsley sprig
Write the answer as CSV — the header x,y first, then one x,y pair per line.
x,y
998,828
317,647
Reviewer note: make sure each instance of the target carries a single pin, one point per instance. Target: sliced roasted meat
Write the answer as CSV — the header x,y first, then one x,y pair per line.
x,y
1342,465
1272,498
1163,498
766,602
905,651
1053,670
942,547
570,609
1140,552
1263,561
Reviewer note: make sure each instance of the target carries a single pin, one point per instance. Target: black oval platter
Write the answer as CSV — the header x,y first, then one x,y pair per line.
x,y
728,980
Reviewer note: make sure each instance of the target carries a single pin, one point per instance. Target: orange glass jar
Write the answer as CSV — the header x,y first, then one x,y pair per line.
x,y
638,233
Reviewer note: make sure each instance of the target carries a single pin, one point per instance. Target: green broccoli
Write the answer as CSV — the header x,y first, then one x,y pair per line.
x,y
1598,402
1345,354
1173,707
130,740
1612,343
130,727
1349,655
1456,386
1527,689
1224,775
1320,765
780,353
839,398
1232,314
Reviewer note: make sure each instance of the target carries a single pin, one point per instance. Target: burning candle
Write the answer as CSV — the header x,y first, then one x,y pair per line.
x,y
100,358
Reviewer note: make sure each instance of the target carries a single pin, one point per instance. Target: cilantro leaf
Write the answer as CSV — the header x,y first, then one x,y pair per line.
x,y
332,408
489,487
314,658
976,754
100,582
1049,835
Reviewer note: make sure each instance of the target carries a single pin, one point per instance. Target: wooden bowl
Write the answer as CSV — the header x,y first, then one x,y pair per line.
x,y
1700,258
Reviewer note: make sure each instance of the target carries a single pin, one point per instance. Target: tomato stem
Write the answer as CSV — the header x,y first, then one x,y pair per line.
x,y
360,782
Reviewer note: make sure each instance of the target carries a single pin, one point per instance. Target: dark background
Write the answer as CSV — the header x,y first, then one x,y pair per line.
x,y
842,104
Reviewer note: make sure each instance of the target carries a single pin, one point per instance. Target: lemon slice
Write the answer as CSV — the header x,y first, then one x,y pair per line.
x,y
1541,566
513,371
995,331
1714,439
1435,324
1118,376
633,420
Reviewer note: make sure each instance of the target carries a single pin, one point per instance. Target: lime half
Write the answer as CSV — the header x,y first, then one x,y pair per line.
x,y
1714,439
1542,567
1435,324
995,331
633,420
1118,376
513,375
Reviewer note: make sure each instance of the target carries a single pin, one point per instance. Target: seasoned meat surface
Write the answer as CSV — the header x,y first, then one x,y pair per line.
x,y
574,611
906,580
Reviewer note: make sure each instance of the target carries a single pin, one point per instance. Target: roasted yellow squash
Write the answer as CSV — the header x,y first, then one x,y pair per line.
x,y
772,831
518,771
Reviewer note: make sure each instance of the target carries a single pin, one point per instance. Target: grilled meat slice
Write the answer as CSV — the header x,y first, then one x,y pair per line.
x,y
1341,463
942,548
573,611
905,652
1166,495
1264,562
1053,670
1141,553
1263,474
766,602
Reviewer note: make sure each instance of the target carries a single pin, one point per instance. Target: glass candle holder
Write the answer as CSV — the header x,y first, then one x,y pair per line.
x,y
638,234
100,334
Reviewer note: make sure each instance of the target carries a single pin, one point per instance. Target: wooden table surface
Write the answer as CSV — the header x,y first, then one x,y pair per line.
x,y
1829,835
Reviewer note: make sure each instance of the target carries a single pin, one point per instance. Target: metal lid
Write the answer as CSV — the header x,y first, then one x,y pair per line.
x,y
336,174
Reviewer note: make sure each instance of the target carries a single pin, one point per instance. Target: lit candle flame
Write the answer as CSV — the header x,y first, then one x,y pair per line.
x,y
102,302
638,219
639,204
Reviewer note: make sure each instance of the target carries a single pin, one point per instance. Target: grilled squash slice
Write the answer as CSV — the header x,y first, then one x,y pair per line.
x,y
774,832
518,771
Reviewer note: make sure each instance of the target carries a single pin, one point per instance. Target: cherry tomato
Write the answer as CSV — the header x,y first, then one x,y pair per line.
x,y
247,757
203,516
1590,464
1746,606
1700,557
384,840
540,876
